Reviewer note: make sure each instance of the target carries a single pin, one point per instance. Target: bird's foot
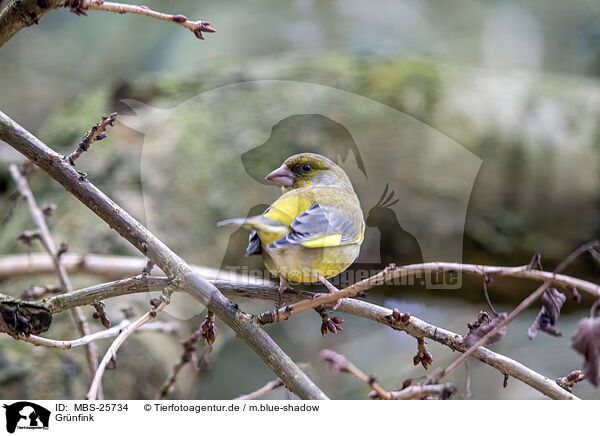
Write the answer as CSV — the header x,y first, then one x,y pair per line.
x,y
284,285
332,290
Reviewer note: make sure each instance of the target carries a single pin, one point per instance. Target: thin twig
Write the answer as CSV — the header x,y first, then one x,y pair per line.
x,y
575,254
197,27
486,281
416,328
567,382
468,394
103,334
189,348
518,310
484,339
340,363
37,292
22,13
260,392
91,351
422,391
268,387
114,347
393,272
96,133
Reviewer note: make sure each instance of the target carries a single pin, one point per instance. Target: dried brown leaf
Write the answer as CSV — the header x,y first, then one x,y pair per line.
x,y
24,318
586,341
478,333
547,318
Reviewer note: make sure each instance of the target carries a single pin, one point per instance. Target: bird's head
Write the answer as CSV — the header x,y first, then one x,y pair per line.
x,y
308,169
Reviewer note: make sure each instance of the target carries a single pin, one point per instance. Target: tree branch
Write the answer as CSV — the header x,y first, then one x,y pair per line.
x,y
409,324
91,351
197,27
340,364
189,346
419,391
394,272
418,328
108,267
268,387
96,133
503,323
102,334
114,347
22,13
149,245
113,267
528,301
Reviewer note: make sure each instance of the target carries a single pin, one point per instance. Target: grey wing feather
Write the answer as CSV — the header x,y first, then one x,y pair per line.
x,y
254,246
315,222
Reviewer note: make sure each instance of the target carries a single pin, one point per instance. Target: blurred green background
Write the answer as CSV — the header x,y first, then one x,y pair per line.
x,y
514,83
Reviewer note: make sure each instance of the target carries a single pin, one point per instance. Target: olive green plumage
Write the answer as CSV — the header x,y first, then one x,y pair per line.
x,y
314,229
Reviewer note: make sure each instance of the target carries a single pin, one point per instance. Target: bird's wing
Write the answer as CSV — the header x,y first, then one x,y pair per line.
x,y
319,227
254,246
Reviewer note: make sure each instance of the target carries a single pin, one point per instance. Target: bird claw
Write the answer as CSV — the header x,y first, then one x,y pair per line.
x,y
284,286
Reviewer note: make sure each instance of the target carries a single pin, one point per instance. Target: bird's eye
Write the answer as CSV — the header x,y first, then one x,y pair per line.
x,y
306,168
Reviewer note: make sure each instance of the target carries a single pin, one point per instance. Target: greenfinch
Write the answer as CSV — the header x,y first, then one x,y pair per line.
x,y
314,230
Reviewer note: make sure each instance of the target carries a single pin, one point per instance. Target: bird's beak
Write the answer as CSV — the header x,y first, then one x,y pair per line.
x,y
282,176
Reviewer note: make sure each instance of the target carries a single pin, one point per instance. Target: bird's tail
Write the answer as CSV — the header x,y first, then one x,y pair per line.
x,y
259,223
251,222
234,222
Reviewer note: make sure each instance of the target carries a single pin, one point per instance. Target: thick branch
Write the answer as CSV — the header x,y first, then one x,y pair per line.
x,y
22,13
172,265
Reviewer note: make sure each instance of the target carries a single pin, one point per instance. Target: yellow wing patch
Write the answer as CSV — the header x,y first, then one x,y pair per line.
x,y
332,240
287,208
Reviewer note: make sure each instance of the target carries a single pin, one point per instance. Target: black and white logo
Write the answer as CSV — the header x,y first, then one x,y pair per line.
x,y
26,415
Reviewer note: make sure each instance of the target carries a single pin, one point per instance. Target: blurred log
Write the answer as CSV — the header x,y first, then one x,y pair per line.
x,y
105,266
